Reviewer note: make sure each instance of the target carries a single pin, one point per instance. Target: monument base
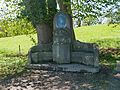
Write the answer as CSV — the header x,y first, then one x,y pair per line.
x,y
65,67
82,57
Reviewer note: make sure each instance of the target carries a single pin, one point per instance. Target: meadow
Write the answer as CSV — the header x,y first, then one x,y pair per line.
x,y
13,50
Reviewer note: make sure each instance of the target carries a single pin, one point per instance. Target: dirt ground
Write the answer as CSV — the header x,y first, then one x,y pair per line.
x,y
51,80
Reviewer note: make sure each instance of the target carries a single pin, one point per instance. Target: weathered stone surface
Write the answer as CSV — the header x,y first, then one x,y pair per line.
x,y
61,46
65,67
61,53
83,57
39,57
86,53
34,57
42,48
81,46
40,53
44,56
78,68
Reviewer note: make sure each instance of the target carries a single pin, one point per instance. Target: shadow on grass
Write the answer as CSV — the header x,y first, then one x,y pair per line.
x,y
109,56
104,80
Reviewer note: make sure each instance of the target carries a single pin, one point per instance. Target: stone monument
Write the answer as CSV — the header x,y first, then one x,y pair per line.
x,y
64,53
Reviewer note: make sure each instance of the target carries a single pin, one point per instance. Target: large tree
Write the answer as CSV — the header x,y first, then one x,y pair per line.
x,y
41,12
83,9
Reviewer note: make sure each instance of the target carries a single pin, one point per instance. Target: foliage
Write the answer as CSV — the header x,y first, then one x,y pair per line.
x,y
39,10
90,20
113,12
52,9
16,27
35,10
109,56
10,9
85,8
11,65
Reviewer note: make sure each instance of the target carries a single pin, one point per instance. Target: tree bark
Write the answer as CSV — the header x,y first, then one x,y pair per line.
x,y
44,34
45,30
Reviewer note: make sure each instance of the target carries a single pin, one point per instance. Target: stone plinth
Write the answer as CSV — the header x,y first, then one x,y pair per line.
x,y
64,67
66,54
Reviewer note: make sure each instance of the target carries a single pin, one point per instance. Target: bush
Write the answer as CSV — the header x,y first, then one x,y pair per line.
x,y
16,27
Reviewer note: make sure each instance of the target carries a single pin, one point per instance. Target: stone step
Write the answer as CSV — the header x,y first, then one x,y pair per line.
x,y
65,67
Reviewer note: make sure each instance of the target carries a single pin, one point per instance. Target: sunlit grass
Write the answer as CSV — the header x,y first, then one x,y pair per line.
x,y
10,45
98,32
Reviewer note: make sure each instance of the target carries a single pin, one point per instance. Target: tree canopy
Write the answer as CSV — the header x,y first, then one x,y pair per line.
x,y
43,11
39,10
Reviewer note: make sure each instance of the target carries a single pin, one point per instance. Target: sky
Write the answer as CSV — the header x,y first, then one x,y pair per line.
x,y
4,9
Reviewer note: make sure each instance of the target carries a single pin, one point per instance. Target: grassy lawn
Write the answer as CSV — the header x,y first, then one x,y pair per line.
x,y
98,32
107,37
10,45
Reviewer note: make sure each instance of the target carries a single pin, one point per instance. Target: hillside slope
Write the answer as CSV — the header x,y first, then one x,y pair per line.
x,y
105,36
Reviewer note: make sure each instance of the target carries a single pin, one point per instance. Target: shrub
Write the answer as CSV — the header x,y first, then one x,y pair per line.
x,y
16,27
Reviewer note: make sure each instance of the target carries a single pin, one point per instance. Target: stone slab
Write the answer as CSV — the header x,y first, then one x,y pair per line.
x,y
65,67
61,53
82,57
39,57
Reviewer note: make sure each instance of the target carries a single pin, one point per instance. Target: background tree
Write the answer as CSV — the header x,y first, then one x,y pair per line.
x,y
86,8
90,20
113,13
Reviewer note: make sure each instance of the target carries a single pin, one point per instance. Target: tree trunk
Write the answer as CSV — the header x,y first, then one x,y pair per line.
x,y
45,31
52,9
44,34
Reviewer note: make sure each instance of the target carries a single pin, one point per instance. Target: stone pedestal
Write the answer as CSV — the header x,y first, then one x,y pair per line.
x,y
61,53
65,54
65,67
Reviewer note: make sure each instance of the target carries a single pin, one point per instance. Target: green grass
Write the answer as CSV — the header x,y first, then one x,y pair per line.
x,y
11,65
98,32
105,36
10,45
